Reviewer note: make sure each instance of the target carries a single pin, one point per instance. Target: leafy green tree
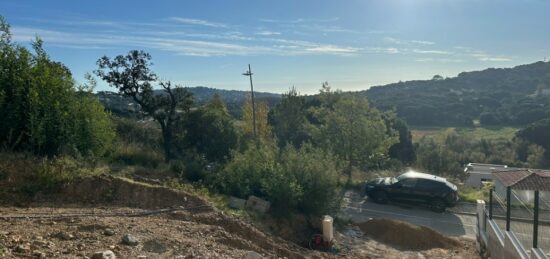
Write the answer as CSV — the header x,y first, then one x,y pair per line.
x,y
303,180
354,132
263,130
209,130
132,76
40,109
404,149
289,119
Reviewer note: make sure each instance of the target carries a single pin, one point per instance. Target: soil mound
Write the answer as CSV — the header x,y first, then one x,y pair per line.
x,y
406,236
124,192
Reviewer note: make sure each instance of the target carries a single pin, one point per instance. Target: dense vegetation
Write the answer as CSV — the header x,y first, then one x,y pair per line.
x,y
299,153
294,158
42,109
447,152
509,96
234,100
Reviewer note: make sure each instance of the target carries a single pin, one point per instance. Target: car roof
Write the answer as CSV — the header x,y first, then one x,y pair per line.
x,y
413,174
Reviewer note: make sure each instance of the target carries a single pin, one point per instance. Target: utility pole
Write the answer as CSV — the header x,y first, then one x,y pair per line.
x,y
249,74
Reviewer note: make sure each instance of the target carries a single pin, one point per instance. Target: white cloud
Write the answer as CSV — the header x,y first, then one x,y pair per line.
x,y
423,42
268,33
181,43
331,49
440,60
383,50
495,59
438,52
300,20
198,22
393,40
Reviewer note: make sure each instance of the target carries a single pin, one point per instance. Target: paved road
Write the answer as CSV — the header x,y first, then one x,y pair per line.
x,y
358,209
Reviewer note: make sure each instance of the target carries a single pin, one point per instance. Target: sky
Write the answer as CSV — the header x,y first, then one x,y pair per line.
x,y
352,44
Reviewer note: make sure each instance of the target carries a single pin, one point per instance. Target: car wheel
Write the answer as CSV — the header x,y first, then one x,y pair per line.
x,y
381,197
437,205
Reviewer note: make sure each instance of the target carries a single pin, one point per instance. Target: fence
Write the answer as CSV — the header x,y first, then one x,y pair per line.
x,y
513,226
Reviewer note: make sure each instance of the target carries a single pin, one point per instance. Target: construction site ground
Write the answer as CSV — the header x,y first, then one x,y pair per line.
x,y
102,214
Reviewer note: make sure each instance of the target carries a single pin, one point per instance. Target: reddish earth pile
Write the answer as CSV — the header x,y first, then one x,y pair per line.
x,y
406,236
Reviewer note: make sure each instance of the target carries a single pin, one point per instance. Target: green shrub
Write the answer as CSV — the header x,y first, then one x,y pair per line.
x,y
191,167
129,154
48,175
41,110
304,180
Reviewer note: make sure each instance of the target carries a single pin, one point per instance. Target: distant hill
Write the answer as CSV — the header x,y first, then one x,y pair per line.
x,y
503,96
491,97
234,100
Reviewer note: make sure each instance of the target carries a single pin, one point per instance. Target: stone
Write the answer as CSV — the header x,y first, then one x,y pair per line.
x,y
108,232
21,249
129,240
39,254
64,236
236,203
257,204
40,243
252,255
107,254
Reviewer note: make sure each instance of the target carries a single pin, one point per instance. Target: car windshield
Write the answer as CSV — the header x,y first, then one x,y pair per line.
x,y
401,177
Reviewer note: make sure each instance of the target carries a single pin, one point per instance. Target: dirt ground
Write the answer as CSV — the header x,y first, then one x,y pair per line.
x,y
177,234
114,214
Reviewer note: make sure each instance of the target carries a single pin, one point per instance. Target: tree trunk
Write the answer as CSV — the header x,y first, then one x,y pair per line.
x,y
167,141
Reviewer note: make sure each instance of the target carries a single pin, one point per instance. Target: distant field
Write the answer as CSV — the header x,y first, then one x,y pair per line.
x,y
474,133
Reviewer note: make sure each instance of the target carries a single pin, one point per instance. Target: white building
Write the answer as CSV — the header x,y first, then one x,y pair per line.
x,y
478,173
523,183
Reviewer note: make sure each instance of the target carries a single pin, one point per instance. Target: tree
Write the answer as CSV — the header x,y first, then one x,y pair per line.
x,y
132,76
404,149
355,132
40,109
289,119
263,130
209,130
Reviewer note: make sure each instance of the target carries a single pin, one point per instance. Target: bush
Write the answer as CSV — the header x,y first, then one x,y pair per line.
x,y
303,180
40,108
191,167
131,154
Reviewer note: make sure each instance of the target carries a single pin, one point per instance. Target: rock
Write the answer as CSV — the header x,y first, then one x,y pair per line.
x,y
107,254
108,232
129,240
253,255
64,236
142,257
257,204
21,249
39,254
236,203
40,243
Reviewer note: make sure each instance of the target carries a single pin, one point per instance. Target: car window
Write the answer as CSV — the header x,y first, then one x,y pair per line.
x,y
409,183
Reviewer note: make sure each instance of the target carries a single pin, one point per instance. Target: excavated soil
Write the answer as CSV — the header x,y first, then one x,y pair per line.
x,y
406,236
178,234
100,211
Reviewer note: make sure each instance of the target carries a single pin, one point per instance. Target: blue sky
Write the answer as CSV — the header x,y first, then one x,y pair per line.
x,y
351,44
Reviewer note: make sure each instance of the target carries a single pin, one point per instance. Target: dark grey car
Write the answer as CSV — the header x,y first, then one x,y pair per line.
x,y
414,187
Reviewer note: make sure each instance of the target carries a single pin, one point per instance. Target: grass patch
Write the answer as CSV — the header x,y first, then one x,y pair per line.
x,y
471,195
476,133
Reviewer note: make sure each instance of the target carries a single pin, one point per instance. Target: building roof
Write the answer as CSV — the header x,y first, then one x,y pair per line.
x,y
479,168
524,179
